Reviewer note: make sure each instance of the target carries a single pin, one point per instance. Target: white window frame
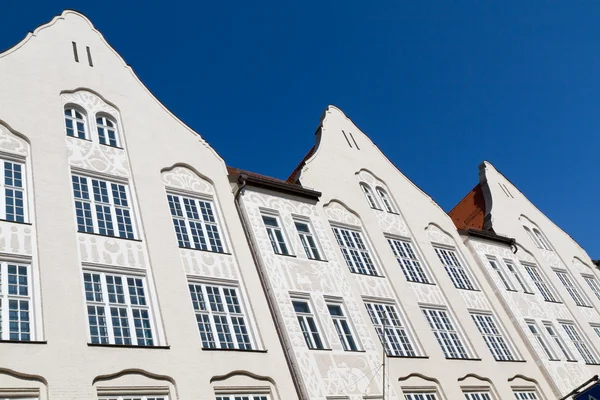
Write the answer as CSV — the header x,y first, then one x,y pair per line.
x,y
494,336
451,339
355,249
533,238
596,328
280,245
76,109
541,340
541,283
135,397
104,124
497,267
369,196
455,267
210,315
411,263
580,342
413,395
93,287
385,199
513,268
24,298
574,291
313,336
558,340
22,189
193,214
389,323
312,250
542,239
244,396
526,394
111,204
478,395
593,284
346,334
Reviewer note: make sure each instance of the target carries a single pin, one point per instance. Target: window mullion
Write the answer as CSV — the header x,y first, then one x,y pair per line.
x,y
107,314
203,225
186,221
92,202
4,299
3,194
211,317
113,211
129,306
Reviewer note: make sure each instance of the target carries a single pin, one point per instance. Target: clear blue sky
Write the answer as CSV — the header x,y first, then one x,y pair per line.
x,y
439,86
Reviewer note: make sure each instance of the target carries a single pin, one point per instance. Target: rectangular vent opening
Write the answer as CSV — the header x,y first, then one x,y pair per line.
x,y
89,54
75,55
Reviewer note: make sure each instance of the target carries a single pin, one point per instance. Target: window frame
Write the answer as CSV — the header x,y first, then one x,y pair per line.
x,y
6,298
497,267
308,334
478,395
338,321
276,243
510,353
369,196
542,284
242,396
411,272
525,394
309,250
518,275
581,343
135,396
541,340
542,239
459,274
403,342
420,395
84,119
572,288
459,335
386,200
23,189
361,250
533,238
558,341
592,283
116,128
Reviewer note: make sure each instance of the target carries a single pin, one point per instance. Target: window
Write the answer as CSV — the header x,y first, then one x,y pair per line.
x,y
107,131
533,328
558,340
118,309
107,211
497,267
342,327
410,264
572,289
515,272
242,397
493,337
593,284
195,223
420,396
445,333
579,343
75,123
220,317
369,196
134,397
308,324
454,268
12,187
478,396
355,252
542,239
16,314
390,329
308,240
525,395
539,282
596,329
533,238
275,235
385,199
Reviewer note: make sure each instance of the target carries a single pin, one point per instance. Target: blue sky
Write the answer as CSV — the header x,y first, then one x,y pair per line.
x,y
439,86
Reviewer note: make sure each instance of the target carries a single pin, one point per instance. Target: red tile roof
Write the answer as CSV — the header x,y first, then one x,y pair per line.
x,y
470,211
293,178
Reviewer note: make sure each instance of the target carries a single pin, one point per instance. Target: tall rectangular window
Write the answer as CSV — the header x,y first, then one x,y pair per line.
x,y
478,396
493,336
539,337
593,284
195,223
16,314
525,395
13,190
554,335
275,234
342,327
420,396
454,268
408,260
308,240
517,275
568,283
579,343
357,255
118,309
390,329
540,283
106,210
497,267
308,325
220,316
446,334
242,397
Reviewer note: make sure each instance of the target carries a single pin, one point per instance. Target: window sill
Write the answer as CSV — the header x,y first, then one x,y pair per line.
x,y
285,255
112,147
128,346
205,251
554,302
78,138
24,341
373,276
511,290
109,236
468,290
592,364
514,361
321,349
15,222
354,351
572,361
463,359
415,357
422,283
530,293
585,306
317,260
234,350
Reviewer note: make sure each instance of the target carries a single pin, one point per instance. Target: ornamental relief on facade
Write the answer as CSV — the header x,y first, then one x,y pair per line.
x,y
475,300
111,251
336,212
436,235
185,179
16,238
11,143
428,294
97,157
209,264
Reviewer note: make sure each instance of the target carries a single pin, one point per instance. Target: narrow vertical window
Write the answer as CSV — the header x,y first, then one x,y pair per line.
x,y
220,317
420,396
497,267
195,223
568,283
89,56
16,313
517,275
454,268
275,235
478,396
369,196
596,329
342,327
593,284
385,199
308,325
493,337
540,283
554,335
13,187
308,240
75,123
533,238
390,329
75,55
408,260
542,239
107,131
537,334
446,334
579,343
357,255
118,309
525,395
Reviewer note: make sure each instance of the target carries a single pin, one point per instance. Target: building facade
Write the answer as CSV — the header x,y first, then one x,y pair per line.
x,y
146,269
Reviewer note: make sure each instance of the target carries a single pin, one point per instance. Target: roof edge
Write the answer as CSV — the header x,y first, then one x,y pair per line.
x,y
276,185
481,234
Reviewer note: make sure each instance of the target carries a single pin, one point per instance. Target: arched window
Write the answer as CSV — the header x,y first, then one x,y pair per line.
x,y
107,131
75,123
369,196
542,239
532,236
385,199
